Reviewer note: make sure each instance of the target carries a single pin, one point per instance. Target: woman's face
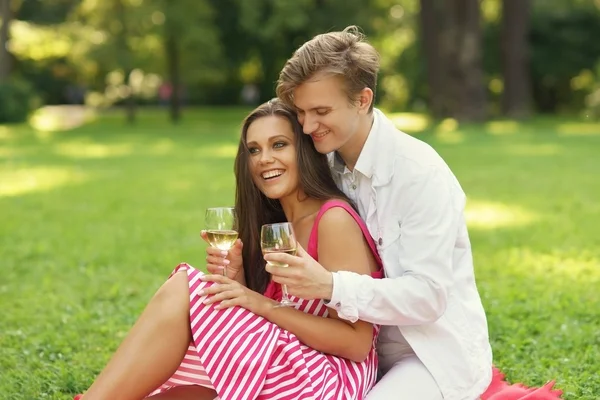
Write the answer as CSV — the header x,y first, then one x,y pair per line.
x,y
272,160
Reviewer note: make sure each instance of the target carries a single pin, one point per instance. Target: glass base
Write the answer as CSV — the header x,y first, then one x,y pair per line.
x,y
285,303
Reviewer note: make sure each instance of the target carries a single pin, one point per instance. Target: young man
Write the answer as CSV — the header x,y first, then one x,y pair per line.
x,y
434,340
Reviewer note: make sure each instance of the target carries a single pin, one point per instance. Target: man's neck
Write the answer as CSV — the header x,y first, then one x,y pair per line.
x,y
352,149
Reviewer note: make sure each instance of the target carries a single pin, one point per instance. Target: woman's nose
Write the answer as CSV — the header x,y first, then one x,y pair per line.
x,y
266,157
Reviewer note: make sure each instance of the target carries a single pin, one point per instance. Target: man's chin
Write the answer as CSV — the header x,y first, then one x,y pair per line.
x,y
324,148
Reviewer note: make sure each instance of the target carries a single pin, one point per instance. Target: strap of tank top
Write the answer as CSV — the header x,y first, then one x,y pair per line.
x,y
314,239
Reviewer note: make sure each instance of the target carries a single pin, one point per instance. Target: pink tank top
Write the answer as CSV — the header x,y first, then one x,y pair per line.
x,y
273,290
314,234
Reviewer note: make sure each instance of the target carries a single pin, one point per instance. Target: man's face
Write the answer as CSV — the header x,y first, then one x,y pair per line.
x,y
326,113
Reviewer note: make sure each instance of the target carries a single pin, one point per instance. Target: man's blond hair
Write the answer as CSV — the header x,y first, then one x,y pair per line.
x,y
345,54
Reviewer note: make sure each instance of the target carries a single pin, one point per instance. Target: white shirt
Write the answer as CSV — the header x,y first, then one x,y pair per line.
x,y
391,344
414,211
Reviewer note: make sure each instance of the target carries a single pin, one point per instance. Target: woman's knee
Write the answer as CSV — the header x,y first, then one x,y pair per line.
x,y
174,291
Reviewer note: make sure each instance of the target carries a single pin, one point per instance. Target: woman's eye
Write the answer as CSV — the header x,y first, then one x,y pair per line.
x,y
278,145
252,150
322,112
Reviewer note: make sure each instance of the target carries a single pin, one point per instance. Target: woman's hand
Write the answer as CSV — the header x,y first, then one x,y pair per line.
x,y
229,293
217,259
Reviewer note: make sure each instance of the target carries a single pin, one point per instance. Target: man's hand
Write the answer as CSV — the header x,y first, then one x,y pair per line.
x,y
305,278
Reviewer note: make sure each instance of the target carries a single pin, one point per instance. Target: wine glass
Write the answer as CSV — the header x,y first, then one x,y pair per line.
x,y
220,228
279,238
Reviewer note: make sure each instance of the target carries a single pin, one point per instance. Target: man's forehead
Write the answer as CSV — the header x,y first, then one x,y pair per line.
x,y
316,94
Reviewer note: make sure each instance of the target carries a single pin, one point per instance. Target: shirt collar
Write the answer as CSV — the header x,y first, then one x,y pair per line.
x,y
366,158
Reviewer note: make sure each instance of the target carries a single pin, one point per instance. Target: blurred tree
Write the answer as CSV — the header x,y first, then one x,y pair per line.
x,y
124,53
516,97
462,52
45,12
113,27
562,47
274,29
177,40
220,51
437,88
5,57
452,36
393,30
191,46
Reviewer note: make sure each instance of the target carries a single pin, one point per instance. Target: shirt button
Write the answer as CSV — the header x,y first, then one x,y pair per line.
x,y
338,304
380,241
354,187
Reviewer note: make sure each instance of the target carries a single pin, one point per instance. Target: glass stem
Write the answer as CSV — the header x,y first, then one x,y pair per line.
x,y
285,293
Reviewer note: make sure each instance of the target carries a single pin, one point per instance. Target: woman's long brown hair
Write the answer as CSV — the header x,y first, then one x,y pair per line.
x,y
254,209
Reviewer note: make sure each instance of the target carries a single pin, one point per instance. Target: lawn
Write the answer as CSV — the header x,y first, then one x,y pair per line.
x,y
92,220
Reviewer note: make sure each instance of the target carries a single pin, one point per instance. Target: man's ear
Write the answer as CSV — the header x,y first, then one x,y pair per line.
x,y
365,98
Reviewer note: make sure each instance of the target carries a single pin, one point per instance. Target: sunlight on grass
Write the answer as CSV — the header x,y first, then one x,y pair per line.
x,y
38,179
579,267
87,149
410,122
447,125
180,185
534,149
578,129
500,128
61,118
7,152
491,215
5,132
222,151
450,137
162,147
447,132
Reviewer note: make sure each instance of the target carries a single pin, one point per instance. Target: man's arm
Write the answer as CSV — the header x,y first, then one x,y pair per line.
x,y
432,206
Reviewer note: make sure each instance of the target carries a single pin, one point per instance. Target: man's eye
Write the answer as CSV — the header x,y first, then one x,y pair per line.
x,y
322,112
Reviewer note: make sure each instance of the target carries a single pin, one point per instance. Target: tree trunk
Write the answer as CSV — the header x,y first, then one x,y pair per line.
x,y
452,36
430,18
5,62
172,52
125,56
460,49
516,98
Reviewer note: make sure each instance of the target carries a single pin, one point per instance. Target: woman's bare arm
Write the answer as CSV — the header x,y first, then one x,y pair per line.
x,y
341,246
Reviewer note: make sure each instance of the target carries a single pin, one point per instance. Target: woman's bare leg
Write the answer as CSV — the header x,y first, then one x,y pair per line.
x,y
186,393
152,350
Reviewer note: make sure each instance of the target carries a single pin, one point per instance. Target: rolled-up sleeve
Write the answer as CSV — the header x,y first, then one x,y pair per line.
x,y
430,209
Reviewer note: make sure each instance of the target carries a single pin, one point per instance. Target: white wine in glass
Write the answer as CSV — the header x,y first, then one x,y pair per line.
x,y
220,228
279,238
222,240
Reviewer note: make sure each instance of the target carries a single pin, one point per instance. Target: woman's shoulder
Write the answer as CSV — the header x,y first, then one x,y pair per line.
x,y
339,205
337,215
342,241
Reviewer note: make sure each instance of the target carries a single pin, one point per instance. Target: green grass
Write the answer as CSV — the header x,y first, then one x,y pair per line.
x,y
93,220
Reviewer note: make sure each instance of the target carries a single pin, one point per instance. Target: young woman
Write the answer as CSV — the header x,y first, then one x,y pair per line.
x,y
203,336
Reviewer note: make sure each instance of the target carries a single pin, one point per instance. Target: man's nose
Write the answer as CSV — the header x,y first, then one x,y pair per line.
x,y
309,125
